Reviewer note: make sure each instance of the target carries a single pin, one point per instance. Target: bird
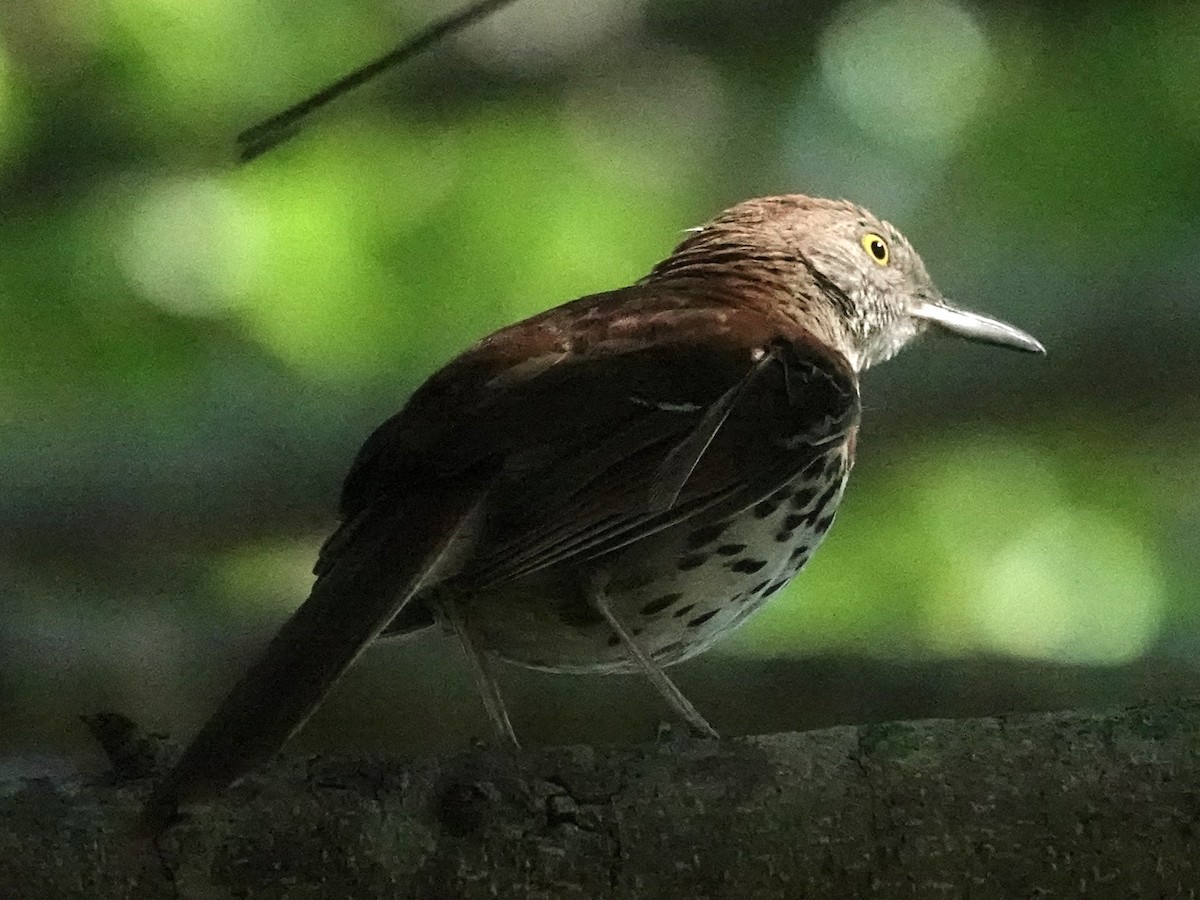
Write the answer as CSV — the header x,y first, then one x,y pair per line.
x,y
608,486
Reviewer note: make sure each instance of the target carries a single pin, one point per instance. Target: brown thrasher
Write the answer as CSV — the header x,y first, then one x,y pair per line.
x,y
609,486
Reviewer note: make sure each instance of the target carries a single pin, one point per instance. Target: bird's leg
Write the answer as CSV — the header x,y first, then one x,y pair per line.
x,y
595,588
489,691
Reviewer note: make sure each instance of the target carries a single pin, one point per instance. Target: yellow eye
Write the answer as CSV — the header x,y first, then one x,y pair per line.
x,y
876,247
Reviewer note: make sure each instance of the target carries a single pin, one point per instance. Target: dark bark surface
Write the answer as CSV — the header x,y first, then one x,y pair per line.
x,y
1050,805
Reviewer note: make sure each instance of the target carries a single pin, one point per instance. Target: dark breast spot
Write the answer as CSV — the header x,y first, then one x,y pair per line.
x,y
802,498
748,565
827,495
798,553
692,561
668,649
730,549
765,508
613,640
823,523
702,618
704,536
834,465
783,537
794,521
781,495
758,587
654,607
775,587
684,610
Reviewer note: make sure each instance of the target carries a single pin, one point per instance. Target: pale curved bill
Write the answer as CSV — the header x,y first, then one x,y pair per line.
x,y
976,327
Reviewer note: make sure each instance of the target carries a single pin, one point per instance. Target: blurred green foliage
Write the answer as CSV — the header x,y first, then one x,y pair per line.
x,y
192,350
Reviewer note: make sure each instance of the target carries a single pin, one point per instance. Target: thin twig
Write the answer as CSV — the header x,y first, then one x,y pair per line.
x,y
258,139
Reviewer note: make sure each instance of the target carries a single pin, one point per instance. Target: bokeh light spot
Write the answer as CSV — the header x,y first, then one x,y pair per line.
x,y
1076,587
12,119
537,35
190,245
679,100
1026,568
340,279
910,73
268,577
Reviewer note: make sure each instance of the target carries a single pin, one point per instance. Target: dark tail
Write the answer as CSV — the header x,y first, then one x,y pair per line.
x,y
381,569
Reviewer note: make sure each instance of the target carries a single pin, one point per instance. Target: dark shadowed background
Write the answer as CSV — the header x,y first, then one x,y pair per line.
x,y
191,352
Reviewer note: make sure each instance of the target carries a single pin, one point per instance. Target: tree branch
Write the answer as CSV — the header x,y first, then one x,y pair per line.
x,y
1055,805
258,139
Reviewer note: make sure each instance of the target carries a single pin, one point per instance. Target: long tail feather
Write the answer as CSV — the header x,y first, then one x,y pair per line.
x,y
350,604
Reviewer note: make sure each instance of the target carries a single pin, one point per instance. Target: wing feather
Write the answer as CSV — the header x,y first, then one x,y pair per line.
x,y
628,428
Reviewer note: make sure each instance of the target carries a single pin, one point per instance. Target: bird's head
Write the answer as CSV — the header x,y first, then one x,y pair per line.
x,y
853,278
